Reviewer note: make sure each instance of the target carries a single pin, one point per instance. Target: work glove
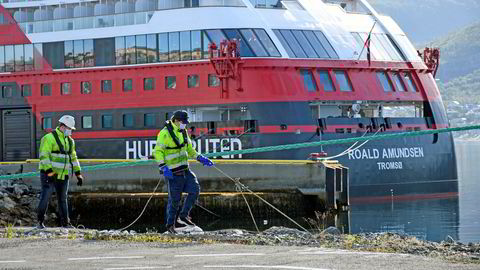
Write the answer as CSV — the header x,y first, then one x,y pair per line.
x,y
51,176
205,161
165,171
79,180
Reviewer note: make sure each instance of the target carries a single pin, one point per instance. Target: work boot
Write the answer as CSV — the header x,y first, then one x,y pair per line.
x,y
68,225
40,225
187,221
171,229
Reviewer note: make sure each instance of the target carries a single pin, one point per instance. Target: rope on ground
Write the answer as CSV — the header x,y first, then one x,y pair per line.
x,y
243,187
146,204
265,149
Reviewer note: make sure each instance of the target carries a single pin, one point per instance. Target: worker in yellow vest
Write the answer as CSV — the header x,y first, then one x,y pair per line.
x,y
57,159
172,151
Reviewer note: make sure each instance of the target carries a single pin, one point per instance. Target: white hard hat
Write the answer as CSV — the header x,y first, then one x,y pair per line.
x,y
68,121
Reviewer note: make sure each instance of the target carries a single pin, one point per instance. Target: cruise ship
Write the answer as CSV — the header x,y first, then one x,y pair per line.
x,y
250,73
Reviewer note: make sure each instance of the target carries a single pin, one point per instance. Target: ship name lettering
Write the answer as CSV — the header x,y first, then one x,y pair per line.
x,y
364,154
138,149
391,165
405,152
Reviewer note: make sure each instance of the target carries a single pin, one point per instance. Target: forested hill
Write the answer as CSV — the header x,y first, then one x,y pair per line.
x,y
427,20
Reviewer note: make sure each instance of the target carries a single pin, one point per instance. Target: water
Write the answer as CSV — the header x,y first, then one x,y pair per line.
x,y
431,220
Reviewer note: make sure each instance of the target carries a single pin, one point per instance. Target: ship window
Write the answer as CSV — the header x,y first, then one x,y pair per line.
x,y
163,47
174,46
19,58
46,89
326,81
232,34
170,82
267,42
7,91
302,40
308,81
342,80
398,82
360,46
106,86
381,49
9,59
87,121
326,44
141,46
206,42
149,119
293,43
410,83
254,43
284,43
68,47
2,59
128,120
78,53
88,54
127,85
386,84
53,54
47,122
26,90
148,84
120,50
107,121
28,57
196,39
396,48
130,55
152,48
66,88
103,51
216,36
317,46
86,88
193,81
185,46
382,38
38,59
213,80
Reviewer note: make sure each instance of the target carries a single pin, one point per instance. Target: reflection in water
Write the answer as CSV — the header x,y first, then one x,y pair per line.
x,y
429,220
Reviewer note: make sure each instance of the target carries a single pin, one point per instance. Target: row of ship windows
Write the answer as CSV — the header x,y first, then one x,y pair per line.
x,y
396,81
139,49
305,44
128,121
193,81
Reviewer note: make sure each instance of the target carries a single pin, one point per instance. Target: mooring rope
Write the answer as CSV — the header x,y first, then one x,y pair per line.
x,y
243,187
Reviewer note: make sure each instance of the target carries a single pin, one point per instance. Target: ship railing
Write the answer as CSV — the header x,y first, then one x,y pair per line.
x,y
111,20
352,125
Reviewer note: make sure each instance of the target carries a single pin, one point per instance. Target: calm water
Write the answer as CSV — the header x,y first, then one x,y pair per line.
x,y
431,219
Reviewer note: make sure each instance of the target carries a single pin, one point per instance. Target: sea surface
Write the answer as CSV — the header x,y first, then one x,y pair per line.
x,y
435,219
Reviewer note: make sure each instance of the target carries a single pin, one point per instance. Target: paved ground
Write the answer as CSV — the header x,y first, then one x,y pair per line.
x,y
113,255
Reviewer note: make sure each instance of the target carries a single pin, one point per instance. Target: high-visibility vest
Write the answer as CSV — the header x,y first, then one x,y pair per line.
x,y
174,154
52,159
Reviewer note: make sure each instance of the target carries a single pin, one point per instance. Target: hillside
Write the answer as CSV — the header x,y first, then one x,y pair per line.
x,y
464,89
459,53
427,20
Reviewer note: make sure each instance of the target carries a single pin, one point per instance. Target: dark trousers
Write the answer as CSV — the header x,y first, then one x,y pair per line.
x,y
185,182
61,189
